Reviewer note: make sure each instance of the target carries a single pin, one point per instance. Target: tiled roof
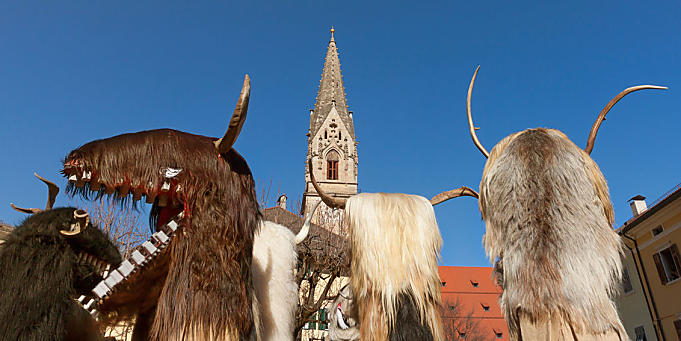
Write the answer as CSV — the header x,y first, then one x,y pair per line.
x,y
657,205
322,245
473,294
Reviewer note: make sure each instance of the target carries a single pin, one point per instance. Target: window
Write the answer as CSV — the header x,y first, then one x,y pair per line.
x,y
498,334
462,335
319,319
485,306
626,282
657,230
444,284
474,283
640,334
332,165
668,264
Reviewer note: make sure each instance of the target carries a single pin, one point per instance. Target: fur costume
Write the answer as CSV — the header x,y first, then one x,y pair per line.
x,y
549,222
44,267
274,260
202,288
395,244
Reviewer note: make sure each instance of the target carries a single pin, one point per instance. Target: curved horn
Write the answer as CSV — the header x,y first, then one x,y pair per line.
x,y
237,121
52,191
455,193
329,201
305,230
82,220
601,117
26,210
471,127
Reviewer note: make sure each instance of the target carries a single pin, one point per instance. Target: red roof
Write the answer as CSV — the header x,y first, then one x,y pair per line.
x,y
470,294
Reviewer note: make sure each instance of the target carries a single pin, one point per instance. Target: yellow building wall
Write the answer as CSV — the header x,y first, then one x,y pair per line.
x,y
667,296
632,305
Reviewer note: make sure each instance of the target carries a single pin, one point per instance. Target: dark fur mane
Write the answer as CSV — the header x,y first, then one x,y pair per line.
x,y
40,276
210,261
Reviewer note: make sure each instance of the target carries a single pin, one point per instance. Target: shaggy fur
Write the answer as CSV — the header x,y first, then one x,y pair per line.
x,y
204,290
549,218
395,245
40,277
274,260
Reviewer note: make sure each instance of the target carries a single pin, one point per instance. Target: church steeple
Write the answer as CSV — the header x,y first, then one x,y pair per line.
x,y
331,143
331,90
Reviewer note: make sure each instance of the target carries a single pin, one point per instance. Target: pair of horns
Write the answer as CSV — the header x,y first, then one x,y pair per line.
x,y
82,221
594,129
81,217
305,230
225,143
340,203
52,191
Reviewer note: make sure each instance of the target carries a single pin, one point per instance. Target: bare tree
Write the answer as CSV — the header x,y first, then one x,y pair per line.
x,y
459,324
120,220
324,259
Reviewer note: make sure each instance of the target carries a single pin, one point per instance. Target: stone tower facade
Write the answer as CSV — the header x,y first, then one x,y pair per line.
x,y
331,145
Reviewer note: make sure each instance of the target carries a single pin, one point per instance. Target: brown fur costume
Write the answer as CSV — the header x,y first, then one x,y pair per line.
x,y
549,224
202,288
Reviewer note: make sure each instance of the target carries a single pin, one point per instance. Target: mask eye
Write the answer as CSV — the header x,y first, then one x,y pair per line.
x,y
82,220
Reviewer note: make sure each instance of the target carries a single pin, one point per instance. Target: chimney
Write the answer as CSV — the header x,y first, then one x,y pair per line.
x,y
281,201
638,205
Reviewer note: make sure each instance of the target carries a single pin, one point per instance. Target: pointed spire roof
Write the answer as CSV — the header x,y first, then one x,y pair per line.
x,y
331,92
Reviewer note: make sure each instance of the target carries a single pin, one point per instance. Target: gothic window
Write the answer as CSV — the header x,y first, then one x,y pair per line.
x,y
326,135
332,165
339,135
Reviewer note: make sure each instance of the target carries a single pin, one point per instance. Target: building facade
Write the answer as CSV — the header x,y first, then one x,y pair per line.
x,y
332,146
652,238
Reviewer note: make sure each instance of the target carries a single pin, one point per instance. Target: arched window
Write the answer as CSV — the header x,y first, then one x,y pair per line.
x,y
332,165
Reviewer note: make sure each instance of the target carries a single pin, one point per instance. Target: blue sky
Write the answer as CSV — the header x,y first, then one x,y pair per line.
x,y
75,71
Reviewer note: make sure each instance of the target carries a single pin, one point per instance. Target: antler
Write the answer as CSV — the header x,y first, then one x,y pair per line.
x,y
305,230
225,143
52,191
601,117
471,127
82,220
459,192
329,201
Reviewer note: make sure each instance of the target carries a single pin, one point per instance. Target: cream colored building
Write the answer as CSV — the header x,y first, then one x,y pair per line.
x,y
653,235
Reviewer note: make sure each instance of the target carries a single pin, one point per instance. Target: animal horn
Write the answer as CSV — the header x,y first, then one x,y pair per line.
x,y
82,220
471,127
238,118
455,193
305,230
329,201
26,210
52,191
601,117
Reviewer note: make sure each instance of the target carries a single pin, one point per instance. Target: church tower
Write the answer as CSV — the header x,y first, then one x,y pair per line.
x,y
331,145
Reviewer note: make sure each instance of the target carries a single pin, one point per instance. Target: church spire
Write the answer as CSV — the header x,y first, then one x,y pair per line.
x,y
331,92
332,146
